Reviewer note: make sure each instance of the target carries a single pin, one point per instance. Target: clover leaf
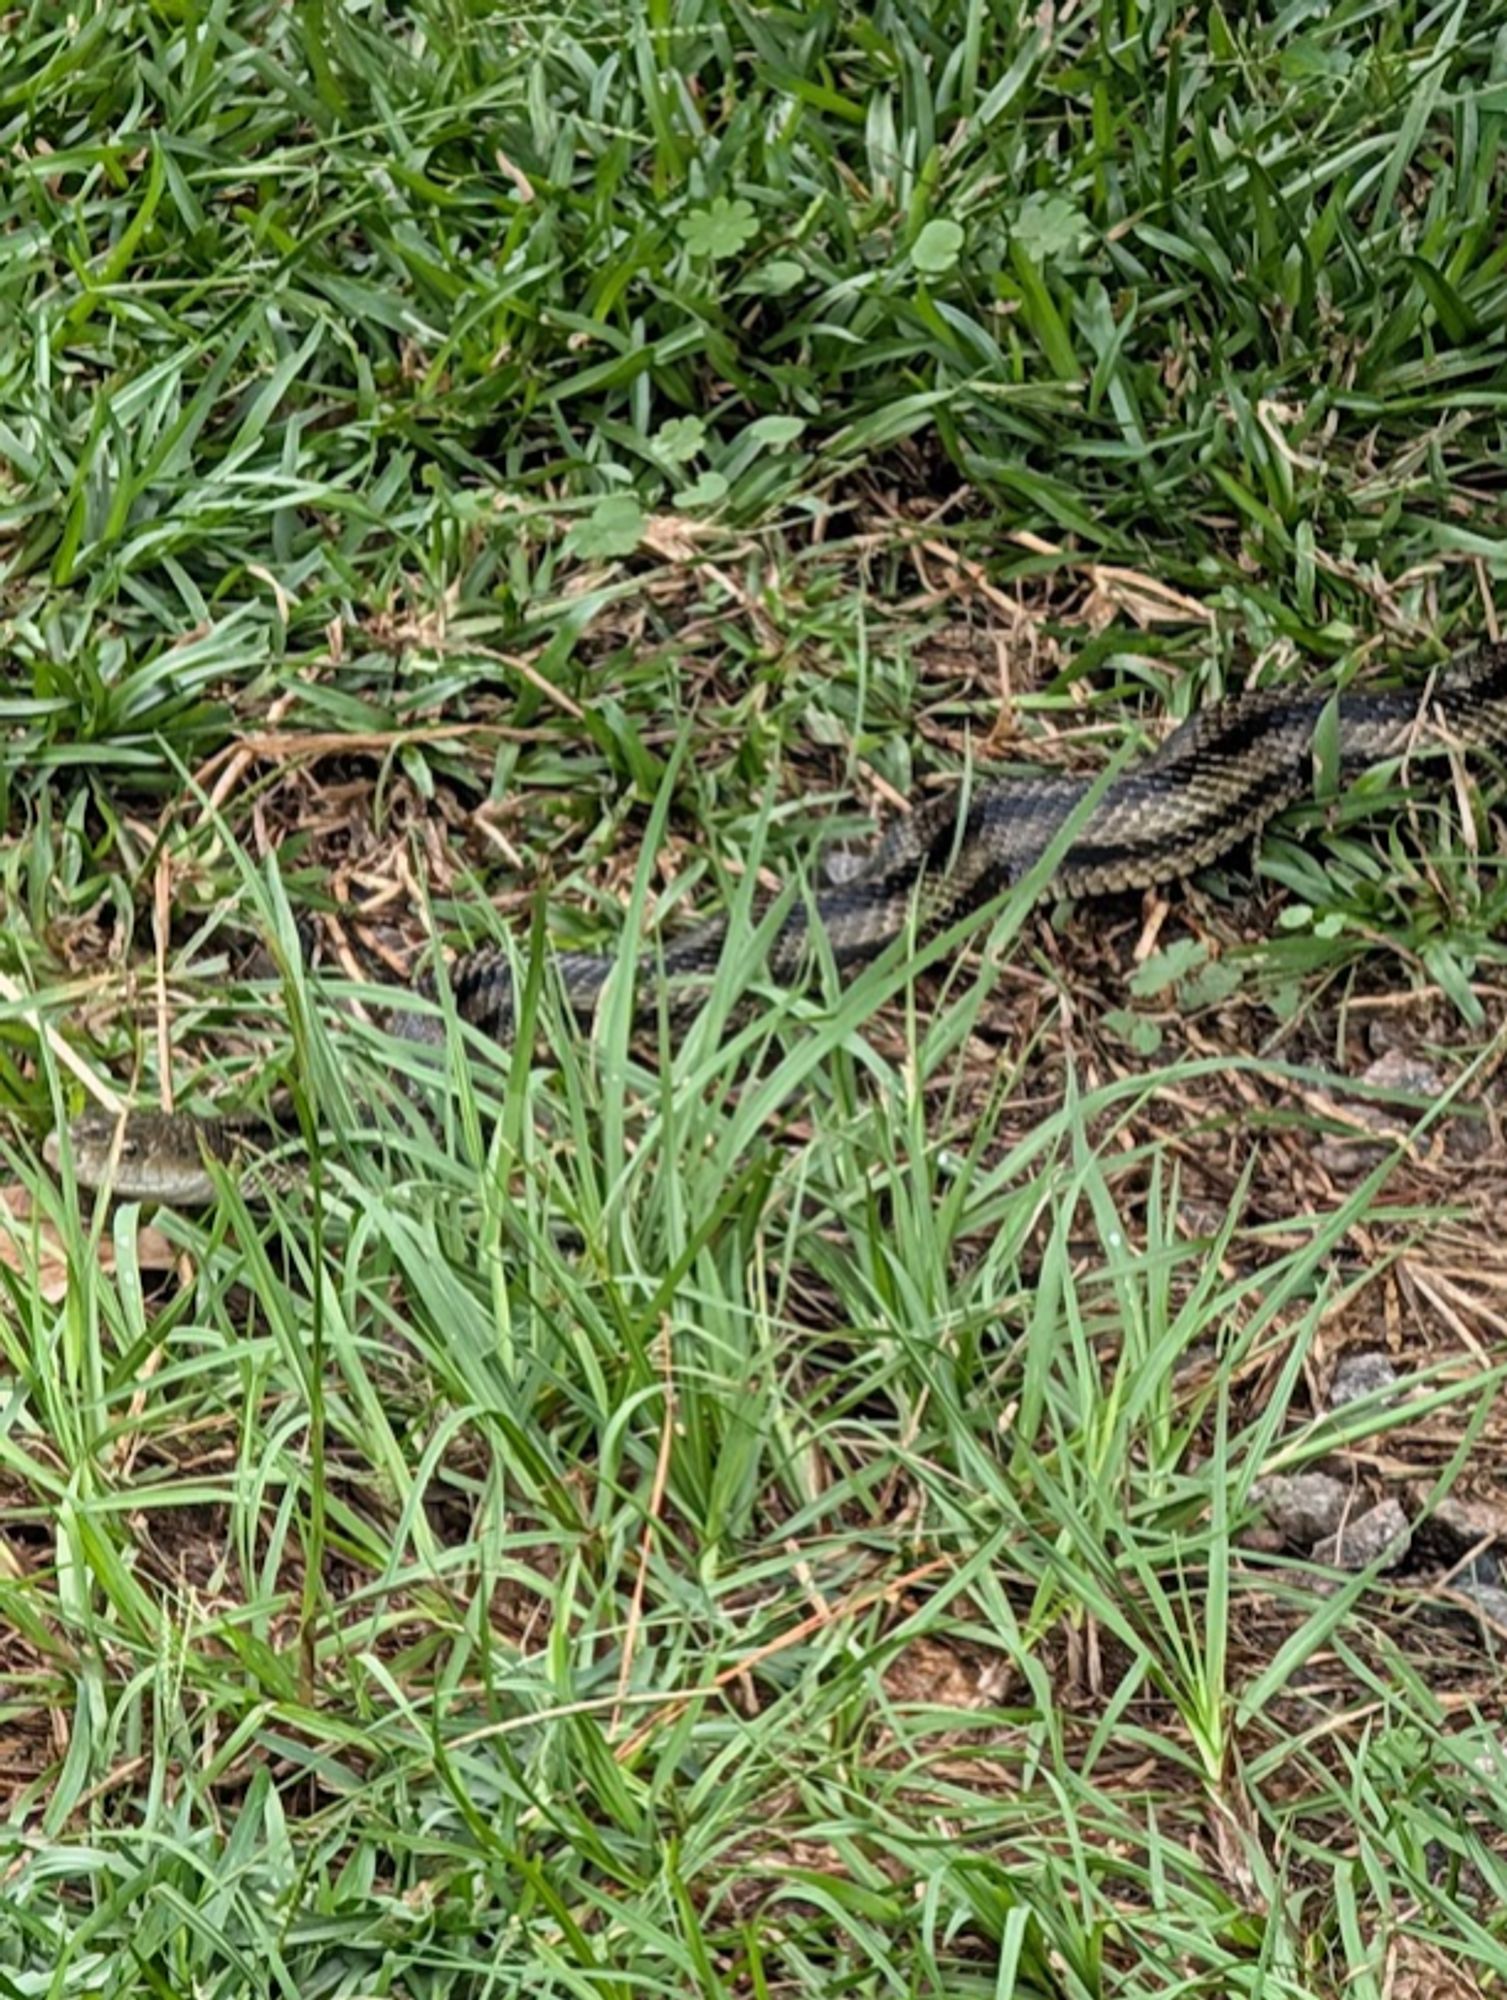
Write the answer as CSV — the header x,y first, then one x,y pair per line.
x,y
936,249
706,491
720,230
680,439
612,528
1050,227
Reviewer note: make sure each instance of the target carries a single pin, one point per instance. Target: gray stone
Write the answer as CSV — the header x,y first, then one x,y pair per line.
x,y
1302,1506
1489,1599
1379,1536
1361,1374
1397,1070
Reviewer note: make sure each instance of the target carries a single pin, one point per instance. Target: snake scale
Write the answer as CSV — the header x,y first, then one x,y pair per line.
x,y
1215,781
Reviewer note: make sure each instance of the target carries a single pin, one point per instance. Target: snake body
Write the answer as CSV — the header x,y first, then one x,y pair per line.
x,y
1214,782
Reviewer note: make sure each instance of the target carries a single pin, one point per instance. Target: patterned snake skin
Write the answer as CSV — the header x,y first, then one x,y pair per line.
x,y
1215,781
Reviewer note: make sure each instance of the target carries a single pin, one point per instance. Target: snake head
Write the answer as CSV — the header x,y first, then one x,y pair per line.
x,y
143,1156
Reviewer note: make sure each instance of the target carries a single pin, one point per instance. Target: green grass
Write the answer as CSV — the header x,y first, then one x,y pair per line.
x,y
763,1512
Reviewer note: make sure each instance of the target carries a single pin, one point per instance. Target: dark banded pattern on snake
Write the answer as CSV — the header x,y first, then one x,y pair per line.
x,y
1216,780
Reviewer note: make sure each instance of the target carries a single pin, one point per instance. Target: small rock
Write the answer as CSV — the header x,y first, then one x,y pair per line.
x,y
1485,1573
1397,1070
1471,1520
1349,1159
1302,1506
1379,1536
1468,1139
1347,1156
1387,1032
1357,1375
1489,1599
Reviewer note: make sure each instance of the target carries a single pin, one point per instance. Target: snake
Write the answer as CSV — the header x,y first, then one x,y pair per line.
x,y
1214,782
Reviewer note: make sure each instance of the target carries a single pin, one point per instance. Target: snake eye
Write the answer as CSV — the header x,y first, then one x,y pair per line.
x,y
129,1149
